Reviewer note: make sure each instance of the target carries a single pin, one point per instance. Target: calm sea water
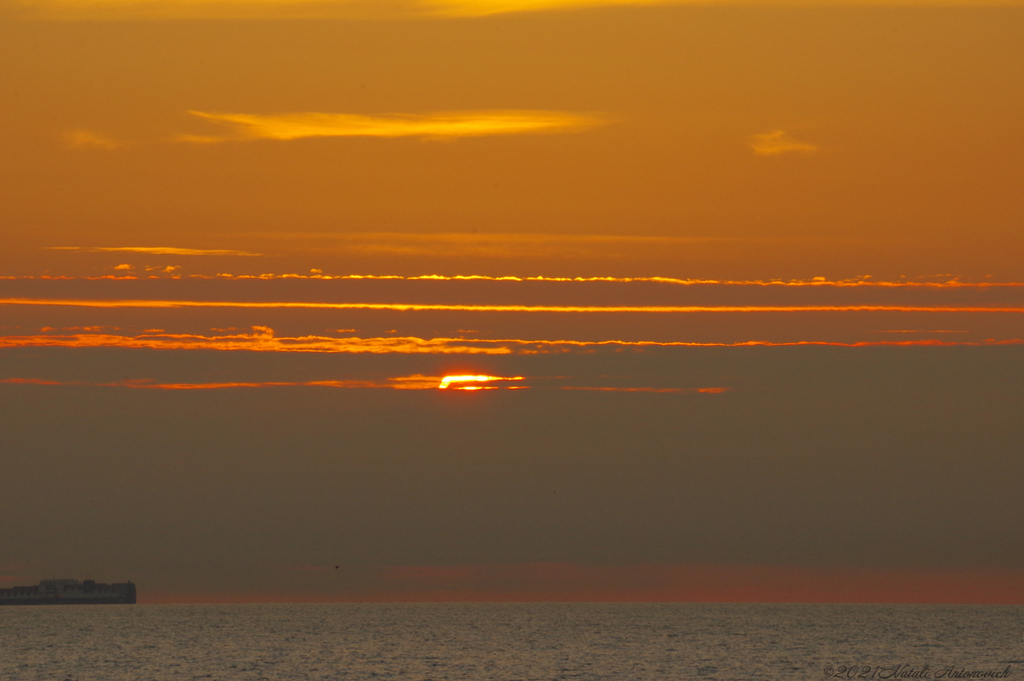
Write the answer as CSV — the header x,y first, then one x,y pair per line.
x,y
629,642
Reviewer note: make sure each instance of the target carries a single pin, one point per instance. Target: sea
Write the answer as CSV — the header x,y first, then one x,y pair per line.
x,y
510,642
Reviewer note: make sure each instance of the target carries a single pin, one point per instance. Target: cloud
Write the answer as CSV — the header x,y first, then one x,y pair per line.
x,y
151,250
87,139
497,245
415,382
816,282
262,339
778,142
458,307
477,8
452,124
150,10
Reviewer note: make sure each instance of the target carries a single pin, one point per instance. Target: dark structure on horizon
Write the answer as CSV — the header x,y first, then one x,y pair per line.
x,y
68,592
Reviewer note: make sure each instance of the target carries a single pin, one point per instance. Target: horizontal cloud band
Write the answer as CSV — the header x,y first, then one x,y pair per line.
x,y
414,382
65,10
433,307
152,250
263,340
292,126
819,282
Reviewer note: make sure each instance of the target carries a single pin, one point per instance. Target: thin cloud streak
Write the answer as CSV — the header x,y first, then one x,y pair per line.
x,y
435,307
262,339
817,282
87,139
155,10
618,249
153,250
480,8
291,126
501,245
779,142
415,382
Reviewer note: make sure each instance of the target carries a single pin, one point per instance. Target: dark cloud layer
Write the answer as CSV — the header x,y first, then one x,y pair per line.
x,y
896,458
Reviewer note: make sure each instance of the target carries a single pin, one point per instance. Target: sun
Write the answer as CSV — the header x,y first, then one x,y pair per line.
x,y
473,381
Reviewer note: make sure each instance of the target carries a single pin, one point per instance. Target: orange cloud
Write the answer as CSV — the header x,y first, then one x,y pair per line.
x,y
262,339
415,382
451,124
150,10
433,307
151,250
479,8
945,282
779,142
87,139
493,245
865,282
36,381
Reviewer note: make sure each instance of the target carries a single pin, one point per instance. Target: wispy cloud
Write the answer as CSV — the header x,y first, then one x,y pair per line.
x,y
87,139
151,250
779,142
306,9
416,382
300,125
500,245
816,282
456,307
290,126
153,10
477,8
262,339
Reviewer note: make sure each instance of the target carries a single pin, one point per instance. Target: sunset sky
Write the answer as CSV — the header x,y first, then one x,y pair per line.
x,y
429,300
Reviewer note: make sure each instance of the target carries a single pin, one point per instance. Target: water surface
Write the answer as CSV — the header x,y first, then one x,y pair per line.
x,y
599,641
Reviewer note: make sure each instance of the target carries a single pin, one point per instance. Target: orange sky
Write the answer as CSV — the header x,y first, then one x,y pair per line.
x,y
762,141
786,236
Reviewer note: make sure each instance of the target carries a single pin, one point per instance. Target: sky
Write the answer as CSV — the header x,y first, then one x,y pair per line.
x,y
514,300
